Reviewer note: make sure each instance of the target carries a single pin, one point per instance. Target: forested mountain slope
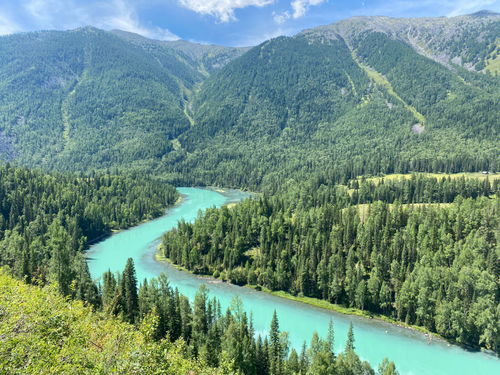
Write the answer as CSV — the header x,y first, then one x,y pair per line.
x,y
89,99
354,93
364,95
469,41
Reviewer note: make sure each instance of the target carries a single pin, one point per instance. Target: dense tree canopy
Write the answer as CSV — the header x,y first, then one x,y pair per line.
x,y
433,265
47,220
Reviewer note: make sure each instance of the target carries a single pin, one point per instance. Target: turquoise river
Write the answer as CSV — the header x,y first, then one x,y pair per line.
x,y
413,352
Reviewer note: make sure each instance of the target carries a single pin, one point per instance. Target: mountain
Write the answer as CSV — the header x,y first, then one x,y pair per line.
x,y
468,41
363,95
87,98
205,58
366,93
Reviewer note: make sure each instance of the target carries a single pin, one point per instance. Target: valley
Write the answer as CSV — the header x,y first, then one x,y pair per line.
x,y
369,243
374,338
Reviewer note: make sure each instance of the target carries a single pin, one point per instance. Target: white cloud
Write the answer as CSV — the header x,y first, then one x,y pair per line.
x,y
300,7
281,18
424,8
125,18
223,10
104,14
253,40
7,26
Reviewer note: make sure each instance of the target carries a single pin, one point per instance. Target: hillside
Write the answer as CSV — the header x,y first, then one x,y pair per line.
x,y
366,95
467,41
43,333
86,98
353,93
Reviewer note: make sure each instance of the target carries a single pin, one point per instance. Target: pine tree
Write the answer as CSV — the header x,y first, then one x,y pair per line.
x,y
330,337
387,368
129,292
60,264
275,357
109,291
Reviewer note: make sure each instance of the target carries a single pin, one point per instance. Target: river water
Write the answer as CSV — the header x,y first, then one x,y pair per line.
x,y
412,351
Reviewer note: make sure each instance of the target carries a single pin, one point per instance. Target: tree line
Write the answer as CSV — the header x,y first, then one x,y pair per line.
x,y
433,265
47,220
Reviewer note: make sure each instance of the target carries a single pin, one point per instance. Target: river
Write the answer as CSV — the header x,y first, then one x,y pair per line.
x,y
412,351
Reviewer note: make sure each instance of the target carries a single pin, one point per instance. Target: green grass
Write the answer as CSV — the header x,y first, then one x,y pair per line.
x,y
397,176
380,80
344,310
364,207
493,63
176,144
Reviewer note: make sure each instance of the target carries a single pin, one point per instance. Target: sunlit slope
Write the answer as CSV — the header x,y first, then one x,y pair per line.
x,y
43,333
341,95
86,98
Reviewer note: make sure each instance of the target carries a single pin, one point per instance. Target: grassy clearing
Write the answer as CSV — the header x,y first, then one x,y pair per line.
x,y
176,145
160,258
364,207
493,63
380,80
397,176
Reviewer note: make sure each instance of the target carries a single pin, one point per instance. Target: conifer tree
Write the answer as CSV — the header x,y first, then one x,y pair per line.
x,y
130,299
275,355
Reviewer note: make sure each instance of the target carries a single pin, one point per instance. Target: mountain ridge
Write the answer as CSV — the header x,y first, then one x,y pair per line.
x,y
355,92
421,33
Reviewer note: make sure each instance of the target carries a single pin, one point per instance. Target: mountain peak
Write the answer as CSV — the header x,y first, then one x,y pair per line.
x,y
484,13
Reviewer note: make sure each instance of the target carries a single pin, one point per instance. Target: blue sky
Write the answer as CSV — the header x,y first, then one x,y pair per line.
x,y
224,22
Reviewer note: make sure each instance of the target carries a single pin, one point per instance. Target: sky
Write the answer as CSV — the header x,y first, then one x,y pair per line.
x,y
222,22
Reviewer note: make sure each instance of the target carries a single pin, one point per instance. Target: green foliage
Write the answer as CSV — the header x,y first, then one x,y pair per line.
x,y
228,340
87,99
47,220
430,265
43,333
128,292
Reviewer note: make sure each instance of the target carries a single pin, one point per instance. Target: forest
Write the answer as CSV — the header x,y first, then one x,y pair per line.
x,y
423,251
47,220
350,135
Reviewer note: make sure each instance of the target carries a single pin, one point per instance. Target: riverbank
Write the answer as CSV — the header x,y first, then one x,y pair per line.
x,y
322,304
340,309
229,194
412,351
112,232
347,310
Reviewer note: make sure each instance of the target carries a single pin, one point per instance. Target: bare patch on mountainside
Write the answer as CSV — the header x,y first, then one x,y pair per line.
x,y
418,128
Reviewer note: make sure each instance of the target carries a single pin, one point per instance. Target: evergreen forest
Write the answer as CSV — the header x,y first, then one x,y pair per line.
x,y
370,146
